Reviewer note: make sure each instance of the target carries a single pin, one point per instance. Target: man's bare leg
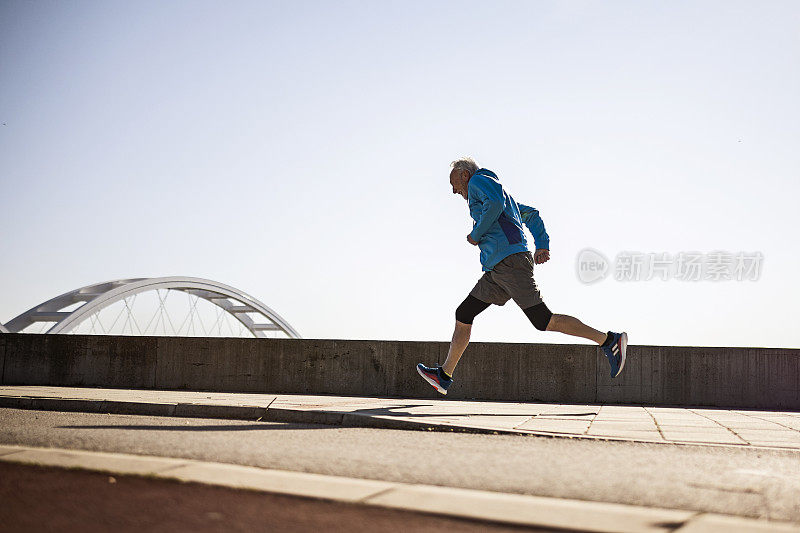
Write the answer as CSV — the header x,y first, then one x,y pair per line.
x,y
572,326
457,346
561,323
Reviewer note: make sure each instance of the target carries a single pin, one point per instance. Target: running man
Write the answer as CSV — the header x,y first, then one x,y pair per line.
x,y
508,271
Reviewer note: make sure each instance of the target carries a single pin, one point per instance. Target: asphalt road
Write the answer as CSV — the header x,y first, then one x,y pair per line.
x,y
739,481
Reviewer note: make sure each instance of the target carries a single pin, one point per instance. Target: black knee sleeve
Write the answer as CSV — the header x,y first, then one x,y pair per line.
x,y
469,309
539,315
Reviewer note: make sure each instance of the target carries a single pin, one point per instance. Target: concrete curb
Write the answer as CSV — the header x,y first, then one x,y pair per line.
x,y
496,507
303,416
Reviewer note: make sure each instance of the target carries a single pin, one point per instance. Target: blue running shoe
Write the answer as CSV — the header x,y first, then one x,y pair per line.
x,y
436,377
616,352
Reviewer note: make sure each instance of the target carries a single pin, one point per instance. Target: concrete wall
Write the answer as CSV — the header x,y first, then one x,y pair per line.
x,y
571,373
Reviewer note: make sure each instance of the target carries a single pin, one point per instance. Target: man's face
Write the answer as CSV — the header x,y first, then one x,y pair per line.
x,y
459,180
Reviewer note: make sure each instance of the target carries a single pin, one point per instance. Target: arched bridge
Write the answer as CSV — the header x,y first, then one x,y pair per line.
x,y
251,313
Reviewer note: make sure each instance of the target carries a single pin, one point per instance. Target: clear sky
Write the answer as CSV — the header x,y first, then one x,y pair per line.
x,y
299,151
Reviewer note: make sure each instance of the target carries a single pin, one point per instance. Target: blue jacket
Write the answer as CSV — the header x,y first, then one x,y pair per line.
x,y
498,220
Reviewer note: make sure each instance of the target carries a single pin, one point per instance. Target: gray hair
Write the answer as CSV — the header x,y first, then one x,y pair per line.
x,y
465,163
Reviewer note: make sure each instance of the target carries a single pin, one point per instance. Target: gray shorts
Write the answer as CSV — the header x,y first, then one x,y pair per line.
x,y
511,278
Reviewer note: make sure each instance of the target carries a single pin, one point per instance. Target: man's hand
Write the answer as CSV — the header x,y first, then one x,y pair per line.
x,y
472,241
541,256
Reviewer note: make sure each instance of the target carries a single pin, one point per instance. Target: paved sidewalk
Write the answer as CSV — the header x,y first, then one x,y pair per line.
x,y
702,426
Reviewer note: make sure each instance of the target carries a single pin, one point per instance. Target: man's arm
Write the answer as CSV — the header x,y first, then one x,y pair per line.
x,y
531,218
490,193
